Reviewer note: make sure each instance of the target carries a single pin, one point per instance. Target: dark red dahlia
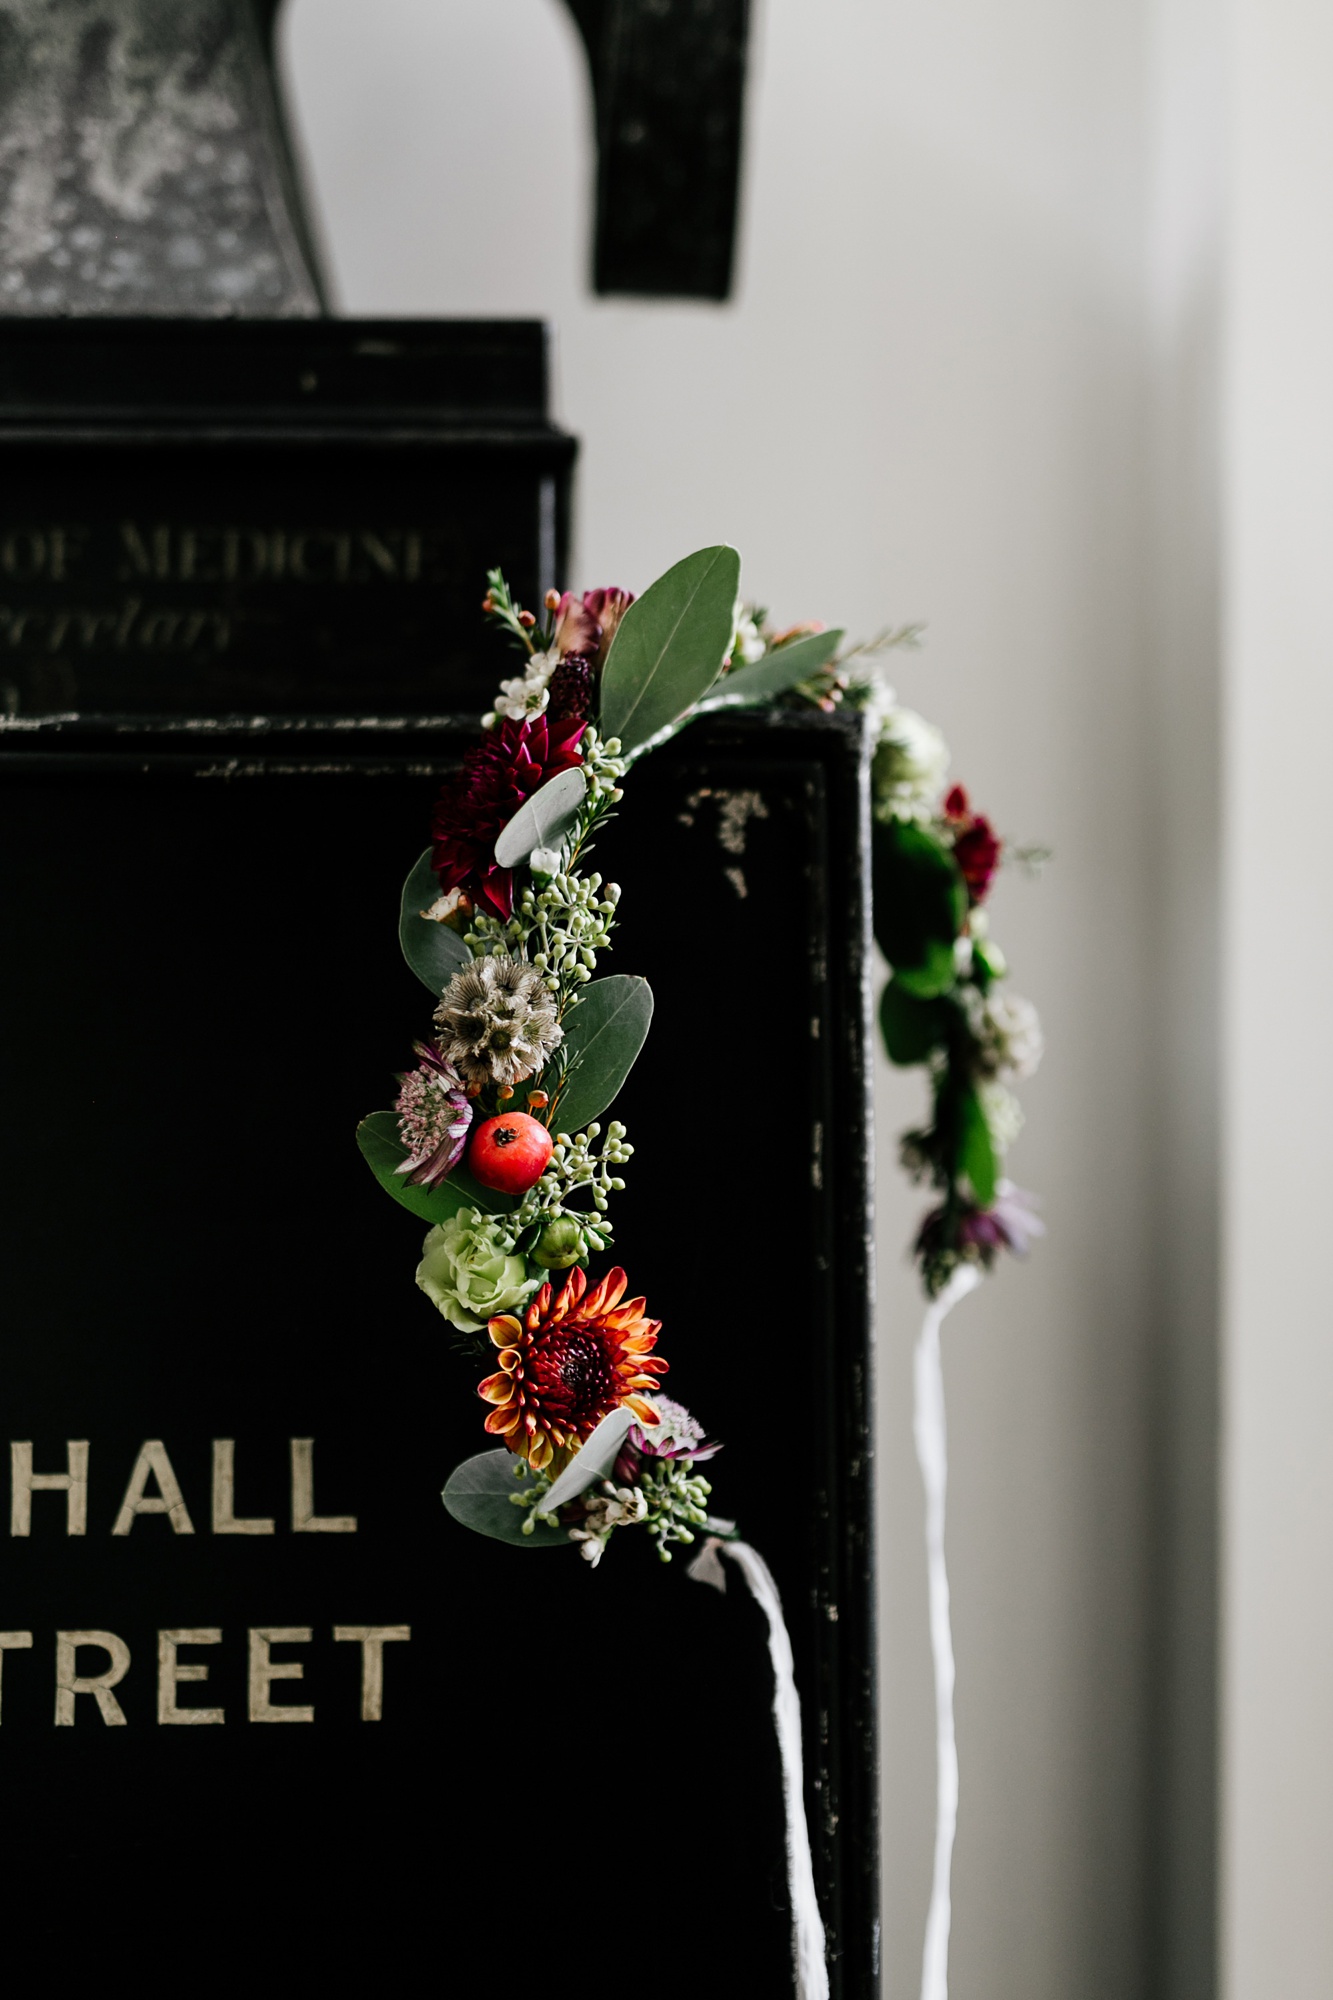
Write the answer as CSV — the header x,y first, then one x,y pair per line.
x,y
511,762
570,689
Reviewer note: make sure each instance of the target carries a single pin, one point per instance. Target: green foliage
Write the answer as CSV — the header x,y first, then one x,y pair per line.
x,y
544,820
670,646
384,1152
434,952
976,1149
603,1036
912,1028
481,1494
776,672
920,902
935,974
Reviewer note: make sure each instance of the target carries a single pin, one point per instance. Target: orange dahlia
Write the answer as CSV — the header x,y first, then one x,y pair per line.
x,y
567,1364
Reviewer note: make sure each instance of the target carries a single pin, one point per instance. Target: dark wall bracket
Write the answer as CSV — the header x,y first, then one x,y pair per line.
x,y
668,81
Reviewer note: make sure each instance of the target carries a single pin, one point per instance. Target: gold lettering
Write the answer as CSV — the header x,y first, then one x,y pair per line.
x,y
377,548
264,1671
243,542
13,1642
372,1640
159,628
90,623
194,559
335,571
66,548
125,623
225,1519
153,1463
171,1674
145,557
305,1521
70,1684
73,1483
23,552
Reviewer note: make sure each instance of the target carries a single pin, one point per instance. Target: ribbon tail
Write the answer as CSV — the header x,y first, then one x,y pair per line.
x,y
808,1958
928,1424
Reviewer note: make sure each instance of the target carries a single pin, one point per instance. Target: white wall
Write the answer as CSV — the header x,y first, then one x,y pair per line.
x,y
930,399
1278,1606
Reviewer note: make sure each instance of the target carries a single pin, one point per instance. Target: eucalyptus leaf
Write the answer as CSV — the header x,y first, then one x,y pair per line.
x,y
591,1462
976,1149
775,673
920,903
670,645
603,1036
543,820
384,1152
434,952
935,974
478,1495
912,1028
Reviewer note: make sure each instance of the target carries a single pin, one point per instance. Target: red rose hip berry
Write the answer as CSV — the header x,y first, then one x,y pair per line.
x,y
509,1153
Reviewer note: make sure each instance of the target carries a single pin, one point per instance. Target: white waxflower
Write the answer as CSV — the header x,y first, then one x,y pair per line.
x,y
748,644
1003,1114
873,696
910,763
613,1507
1008,1029
527,693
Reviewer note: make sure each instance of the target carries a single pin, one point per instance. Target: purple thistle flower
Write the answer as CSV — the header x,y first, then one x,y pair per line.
x,y
434,1113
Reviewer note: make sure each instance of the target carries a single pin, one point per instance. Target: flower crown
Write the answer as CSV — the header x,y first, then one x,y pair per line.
x,y
496,1137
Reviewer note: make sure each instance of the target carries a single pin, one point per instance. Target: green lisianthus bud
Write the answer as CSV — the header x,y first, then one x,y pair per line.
x,y
560,1244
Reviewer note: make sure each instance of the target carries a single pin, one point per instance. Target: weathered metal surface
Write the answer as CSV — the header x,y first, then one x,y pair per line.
x,y
142,162
268,517
668,80
144,169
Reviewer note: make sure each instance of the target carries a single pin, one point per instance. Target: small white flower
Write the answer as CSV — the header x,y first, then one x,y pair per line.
x,y
1009,1030
1003,1114
910,764
749,641
526,695
544,861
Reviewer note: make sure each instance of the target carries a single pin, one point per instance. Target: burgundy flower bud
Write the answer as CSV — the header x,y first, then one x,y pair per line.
x,y
608,607
625,1471
577,629
977,852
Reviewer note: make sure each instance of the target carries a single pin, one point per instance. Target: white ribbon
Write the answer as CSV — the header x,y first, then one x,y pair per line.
x,y
932,1453
807,1926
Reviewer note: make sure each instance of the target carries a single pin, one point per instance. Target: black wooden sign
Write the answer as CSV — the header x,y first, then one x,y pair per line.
x,y
268,517
266,1711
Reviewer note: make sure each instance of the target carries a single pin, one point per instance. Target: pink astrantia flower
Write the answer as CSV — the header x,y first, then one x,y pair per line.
x,y
676,1434
434,1114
